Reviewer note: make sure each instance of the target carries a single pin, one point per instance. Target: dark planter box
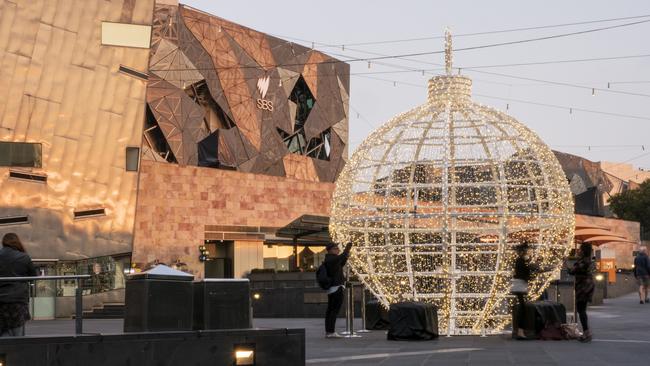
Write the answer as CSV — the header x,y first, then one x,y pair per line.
x,y
156,302
222,304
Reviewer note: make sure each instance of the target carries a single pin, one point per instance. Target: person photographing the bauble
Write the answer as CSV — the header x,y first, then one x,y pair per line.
x,y
333,264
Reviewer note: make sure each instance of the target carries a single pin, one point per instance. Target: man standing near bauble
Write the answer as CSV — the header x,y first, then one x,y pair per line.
x,y
334,262
642,274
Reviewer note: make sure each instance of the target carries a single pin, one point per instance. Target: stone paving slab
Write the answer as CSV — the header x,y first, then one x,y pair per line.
x,y
621,327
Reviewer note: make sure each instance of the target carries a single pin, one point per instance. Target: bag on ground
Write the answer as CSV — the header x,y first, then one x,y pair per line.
x,y
551,332
571,331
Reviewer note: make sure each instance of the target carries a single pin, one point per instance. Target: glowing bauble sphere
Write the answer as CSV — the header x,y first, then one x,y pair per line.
x,y
435,201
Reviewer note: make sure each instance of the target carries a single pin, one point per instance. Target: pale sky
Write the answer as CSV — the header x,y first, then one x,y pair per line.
x,y
336,22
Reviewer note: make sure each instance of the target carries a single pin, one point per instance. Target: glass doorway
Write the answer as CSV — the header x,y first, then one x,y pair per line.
x,y
43,293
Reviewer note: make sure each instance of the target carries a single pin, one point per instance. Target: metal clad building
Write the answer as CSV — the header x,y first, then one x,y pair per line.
x,y
135,130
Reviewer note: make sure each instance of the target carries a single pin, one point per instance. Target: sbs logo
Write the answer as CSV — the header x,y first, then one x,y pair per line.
x,y
263,87
264,104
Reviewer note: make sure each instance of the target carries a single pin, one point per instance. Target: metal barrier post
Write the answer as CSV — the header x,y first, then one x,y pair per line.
x,y
78,300
363,312
349,307
349,313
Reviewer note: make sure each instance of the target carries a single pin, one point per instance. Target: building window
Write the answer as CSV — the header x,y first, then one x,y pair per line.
x,y
21,154
40,178
14,220
132,159
89,213
107,273
156,139
318,147
281,257
133,72
126,35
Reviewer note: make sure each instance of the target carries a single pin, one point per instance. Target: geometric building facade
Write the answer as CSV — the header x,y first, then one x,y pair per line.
x,y
249,101
138,131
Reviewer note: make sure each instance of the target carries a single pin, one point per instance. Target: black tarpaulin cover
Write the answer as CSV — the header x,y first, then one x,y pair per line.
x,y
376,316
538,315
412,321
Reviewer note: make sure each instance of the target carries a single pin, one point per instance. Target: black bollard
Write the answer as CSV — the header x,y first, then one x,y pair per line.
x,y
78,300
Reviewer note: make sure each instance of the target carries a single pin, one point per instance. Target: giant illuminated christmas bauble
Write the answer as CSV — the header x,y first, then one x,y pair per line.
x,y
436,199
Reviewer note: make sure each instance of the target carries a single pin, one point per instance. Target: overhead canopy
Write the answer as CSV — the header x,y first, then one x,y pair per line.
x,y
605,239
589,233
580,226
308,229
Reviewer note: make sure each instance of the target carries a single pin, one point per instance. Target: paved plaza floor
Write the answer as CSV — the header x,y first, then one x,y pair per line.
x,y
621,337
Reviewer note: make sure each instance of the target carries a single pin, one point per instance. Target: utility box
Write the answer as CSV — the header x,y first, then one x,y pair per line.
x,y
158,300
222,304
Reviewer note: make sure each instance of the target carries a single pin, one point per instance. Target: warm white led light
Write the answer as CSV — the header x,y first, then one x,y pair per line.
x,y
435,200
244,358
243,354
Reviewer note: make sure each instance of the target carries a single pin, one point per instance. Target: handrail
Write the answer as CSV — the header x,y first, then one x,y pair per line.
x,y
77,293
43,278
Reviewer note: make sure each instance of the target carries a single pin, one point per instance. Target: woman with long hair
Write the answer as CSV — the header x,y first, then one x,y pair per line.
x,y
14,296
583,270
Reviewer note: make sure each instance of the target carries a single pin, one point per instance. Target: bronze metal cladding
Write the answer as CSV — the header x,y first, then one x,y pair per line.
x,y
61,88
248,99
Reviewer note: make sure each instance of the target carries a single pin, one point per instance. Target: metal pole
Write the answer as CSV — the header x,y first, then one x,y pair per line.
x,y
575,310
349,308
573,288
78,299
32,293
363,312
348,329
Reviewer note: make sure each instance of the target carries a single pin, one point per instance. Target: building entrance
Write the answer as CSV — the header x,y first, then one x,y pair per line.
x,y
220,259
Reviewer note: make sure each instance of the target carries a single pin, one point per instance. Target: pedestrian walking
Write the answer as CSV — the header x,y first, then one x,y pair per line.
x,y
642,274
583,270
14,296
519,288
334,262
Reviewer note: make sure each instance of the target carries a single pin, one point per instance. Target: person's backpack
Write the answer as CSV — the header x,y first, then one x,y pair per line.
x,y
323,279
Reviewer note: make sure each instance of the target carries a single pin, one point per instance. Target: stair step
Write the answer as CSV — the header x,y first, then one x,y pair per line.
x,y
109,310
96,316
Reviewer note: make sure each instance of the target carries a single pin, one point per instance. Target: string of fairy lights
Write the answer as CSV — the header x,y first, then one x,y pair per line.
x,y
435,199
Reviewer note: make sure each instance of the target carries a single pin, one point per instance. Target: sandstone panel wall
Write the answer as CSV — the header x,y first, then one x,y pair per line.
x,y
176,203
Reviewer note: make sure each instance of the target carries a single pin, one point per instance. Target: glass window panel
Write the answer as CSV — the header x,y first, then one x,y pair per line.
x,y
132,159
21,154
126,35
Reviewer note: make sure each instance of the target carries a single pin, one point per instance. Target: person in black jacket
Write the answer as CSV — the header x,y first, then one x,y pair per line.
x,y
583,270
520,284
334,262
642,274
14,296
